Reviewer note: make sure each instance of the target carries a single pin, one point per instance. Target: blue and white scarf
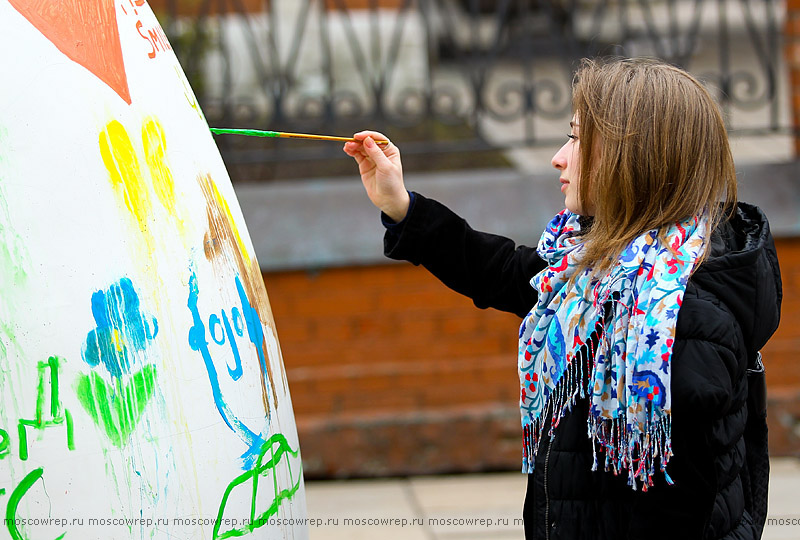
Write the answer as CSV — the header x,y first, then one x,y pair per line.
x,y
608,338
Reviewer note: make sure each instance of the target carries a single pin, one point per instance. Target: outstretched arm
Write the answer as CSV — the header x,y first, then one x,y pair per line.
x,y
489,269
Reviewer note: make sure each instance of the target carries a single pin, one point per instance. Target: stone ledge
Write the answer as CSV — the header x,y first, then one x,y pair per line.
x,y
464,439
322,223
459,440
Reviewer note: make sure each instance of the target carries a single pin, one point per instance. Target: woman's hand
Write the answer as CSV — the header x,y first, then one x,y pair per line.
x,y
381,173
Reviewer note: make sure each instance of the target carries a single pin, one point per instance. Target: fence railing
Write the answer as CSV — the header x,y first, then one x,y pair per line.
x,y
458,75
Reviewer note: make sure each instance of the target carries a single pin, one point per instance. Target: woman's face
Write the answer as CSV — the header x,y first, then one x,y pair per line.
x,y
567,161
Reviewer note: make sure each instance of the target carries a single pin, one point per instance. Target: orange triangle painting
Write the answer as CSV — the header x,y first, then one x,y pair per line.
x,y
84,30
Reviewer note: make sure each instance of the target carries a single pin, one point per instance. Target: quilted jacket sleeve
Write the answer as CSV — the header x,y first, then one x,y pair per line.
x,y
489,269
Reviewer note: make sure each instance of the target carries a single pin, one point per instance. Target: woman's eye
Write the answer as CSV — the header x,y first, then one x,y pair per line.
x,y
573,137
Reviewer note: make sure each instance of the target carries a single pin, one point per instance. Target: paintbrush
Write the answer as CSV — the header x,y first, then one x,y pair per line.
x,y
283,135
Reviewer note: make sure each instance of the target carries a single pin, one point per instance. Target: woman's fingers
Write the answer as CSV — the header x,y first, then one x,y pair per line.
x,y
381,172
354,149
363,161
375,153
368,154
376,135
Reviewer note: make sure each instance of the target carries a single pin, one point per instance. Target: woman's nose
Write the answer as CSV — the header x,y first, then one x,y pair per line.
x,y
559,160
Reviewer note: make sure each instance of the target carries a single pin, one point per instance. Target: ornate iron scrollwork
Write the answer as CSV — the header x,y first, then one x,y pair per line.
x,y
503,65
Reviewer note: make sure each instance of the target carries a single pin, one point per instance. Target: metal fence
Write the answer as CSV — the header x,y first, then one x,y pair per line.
x,y
459,75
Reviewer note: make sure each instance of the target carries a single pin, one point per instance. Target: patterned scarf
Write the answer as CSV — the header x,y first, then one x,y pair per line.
x,y
609,339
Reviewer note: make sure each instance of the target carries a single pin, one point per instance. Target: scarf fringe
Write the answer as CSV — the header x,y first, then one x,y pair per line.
x,y
624,449
574,382
635,451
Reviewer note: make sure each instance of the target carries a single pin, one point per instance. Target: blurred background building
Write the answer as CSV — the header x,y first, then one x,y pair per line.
x,y
390,372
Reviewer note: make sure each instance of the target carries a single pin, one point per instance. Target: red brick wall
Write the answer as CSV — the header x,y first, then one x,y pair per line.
x,y
780,354
392,373
780,357
792,53
193,7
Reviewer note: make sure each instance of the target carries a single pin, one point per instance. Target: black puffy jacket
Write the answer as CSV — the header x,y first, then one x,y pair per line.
x,y
730,308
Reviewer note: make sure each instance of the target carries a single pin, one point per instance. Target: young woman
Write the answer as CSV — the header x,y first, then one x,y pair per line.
x,y
642,307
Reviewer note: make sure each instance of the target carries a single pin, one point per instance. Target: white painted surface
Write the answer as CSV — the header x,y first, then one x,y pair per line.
x,y
106,195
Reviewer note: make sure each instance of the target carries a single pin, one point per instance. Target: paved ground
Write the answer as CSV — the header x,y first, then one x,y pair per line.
x,y
452,507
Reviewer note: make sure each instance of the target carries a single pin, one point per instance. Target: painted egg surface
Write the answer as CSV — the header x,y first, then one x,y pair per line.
x,y
142,390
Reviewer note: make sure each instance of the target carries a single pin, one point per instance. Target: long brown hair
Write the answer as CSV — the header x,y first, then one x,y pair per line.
x,y
653,151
